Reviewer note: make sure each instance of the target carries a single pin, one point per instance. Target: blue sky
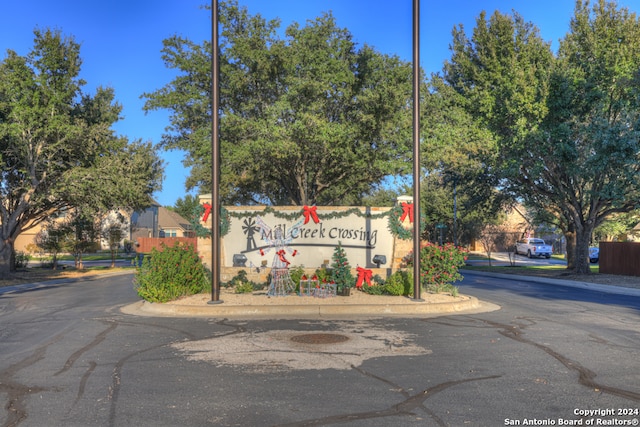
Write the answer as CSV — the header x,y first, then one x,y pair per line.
x,y
121,41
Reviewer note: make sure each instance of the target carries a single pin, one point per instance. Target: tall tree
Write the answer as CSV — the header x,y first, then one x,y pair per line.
x,y
594,122
307,118
458,189
566,126
57,148
187,207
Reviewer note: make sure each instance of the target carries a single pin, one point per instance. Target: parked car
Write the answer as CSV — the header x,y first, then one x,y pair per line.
x,y
594,255
533,247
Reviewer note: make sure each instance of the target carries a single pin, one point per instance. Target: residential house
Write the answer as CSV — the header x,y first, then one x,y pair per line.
x,y
516,225
155,221
158,221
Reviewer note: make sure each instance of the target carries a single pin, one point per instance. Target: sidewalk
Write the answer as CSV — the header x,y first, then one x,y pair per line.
x,y
611,289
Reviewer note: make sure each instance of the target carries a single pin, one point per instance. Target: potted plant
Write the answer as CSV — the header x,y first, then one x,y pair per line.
x,y
341,271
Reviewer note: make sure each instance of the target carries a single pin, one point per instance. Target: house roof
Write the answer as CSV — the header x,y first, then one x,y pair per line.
x,y
168,219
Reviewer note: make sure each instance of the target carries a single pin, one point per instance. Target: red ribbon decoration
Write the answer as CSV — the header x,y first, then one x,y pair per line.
x,y
363,275
207,211
310,212
407,209
281,254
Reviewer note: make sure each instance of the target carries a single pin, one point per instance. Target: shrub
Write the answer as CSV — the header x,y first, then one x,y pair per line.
x,y
244,287
395,285
21,259
439,265
374,289
323,274
296,274
241,277
171,273
377,286
399,283
240,283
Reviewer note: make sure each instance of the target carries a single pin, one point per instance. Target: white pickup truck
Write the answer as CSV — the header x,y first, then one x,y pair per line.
x,y
533,247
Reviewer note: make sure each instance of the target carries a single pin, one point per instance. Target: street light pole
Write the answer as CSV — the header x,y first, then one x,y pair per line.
x,y
455,210
416,151
215,157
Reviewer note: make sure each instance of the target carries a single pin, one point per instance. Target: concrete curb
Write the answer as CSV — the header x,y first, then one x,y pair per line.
x,y
388,310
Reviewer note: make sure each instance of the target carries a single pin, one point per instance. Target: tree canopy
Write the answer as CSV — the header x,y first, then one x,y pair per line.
x,y
566,125
57,148
306,118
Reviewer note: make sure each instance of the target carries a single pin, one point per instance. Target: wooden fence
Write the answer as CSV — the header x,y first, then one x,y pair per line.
x,y
621,258
145,244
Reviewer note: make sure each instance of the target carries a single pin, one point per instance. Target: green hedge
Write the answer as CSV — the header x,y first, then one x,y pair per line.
x,y
171,273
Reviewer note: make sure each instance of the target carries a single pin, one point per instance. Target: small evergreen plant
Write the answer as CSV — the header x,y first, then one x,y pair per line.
x,y
340,269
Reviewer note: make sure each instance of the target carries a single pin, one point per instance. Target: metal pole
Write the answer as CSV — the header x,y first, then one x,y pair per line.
x,y
416,150
455,210
215,158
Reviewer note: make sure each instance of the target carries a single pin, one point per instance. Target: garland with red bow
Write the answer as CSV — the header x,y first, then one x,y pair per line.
x,y
310,213
397,215
201,214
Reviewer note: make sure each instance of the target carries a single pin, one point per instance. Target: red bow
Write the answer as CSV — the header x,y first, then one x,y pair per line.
x,y
363,275
310,211
407,209
281,253
207,211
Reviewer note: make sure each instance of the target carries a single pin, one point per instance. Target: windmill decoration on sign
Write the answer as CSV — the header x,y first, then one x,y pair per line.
x,y
279,240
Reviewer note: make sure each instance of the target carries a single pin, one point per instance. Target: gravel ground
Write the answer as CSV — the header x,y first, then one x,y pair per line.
x,y
357,297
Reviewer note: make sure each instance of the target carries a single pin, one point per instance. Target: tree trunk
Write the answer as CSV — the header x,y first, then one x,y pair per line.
x,y
570,237
581,255
78,261
6,258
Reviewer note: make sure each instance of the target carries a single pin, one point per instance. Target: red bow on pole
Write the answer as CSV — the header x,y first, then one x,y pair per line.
x,y
407,209
207,211
281,254
363,275
310,212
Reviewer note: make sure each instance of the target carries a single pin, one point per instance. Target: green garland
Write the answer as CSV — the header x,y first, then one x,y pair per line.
x,y
201,230
394,214
396,228
296,214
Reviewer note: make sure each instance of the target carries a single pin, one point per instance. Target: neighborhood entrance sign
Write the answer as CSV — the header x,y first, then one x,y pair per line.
x,y
312,237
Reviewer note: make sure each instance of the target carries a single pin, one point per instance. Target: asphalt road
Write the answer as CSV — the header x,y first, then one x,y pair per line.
x,y
550,354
